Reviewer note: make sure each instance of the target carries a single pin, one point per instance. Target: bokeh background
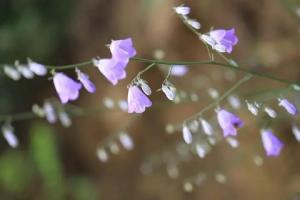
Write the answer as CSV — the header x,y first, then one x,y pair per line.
x,y
53,162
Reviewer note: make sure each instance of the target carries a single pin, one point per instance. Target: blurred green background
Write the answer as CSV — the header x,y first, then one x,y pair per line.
x,y
53,162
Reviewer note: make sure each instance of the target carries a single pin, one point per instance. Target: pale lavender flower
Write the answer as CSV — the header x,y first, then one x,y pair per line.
x,y
122,50
179,70
182,10
8,134
271,143
221,40
66,88
289,107
102,155
86,82
112,69
37,68
137,100
145,87
229,122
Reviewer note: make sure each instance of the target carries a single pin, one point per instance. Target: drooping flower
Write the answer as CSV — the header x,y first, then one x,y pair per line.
x,y
182,10
289,107
8,134
122,50
271,143
179,70
112,69
229,122
66,88
37,68
86,82
137,100
221,40
169,90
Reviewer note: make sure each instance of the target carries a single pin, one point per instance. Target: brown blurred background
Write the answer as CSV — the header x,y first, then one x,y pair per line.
x,y
61,163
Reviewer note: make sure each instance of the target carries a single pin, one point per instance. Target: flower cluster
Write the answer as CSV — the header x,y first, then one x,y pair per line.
x,y
28,71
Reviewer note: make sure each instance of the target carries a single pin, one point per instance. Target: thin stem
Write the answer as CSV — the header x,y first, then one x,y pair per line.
x,y
221,98
169,73
146,69
17,117
208,62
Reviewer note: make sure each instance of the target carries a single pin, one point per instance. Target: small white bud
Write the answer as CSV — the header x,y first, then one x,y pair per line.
x,y
50,112
108,103
234,101
213,93
188,187
252,108
65,119
37,68
182,10
220,178
234,143
207,128
8,134
193,23
123,105
272,113
296,132
201,150
25,71
126,141
145,87
114,148
12,73
169,90
102,155
187,135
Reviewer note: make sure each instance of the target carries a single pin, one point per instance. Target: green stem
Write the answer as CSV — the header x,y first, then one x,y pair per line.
x,y
221,98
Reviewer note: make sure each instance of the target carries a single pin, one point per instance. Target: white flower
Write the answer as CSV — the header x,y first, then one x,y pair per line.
x,y
296,132
102,155
126,141
144,86
207,128
272,113
64,119
37,68
25,71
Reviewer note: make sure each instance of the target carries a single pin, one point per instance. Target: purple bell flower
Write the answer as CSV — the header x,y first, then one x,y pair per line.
x,y
137,100
122,50
112,69
221,40
84,79
229,122
289,107
66,88
271,143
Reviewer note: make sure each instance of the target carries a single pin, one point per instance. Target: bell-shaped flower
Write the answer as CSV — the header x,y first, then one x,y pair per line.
x,y
112,69
221,40
137,100
271,143
66,88
122,50
86,82
289,107
229,122
37,68
182,10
